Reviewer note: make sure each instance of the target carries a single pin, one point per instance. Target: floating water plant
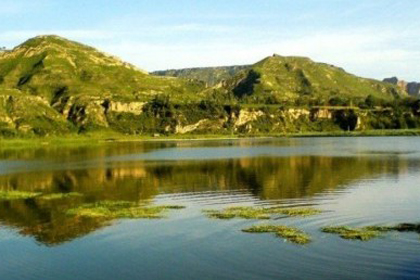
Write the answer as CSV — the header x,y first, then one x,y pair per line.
x,y
369,232
15,195
406,227
363,234
121,209
290,234
238,212
259,212
293,212
54,196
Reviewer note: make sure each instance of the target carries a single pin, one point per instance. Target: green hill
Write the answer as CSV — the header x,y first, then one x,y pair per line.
x,y
50,85
279,79
54,67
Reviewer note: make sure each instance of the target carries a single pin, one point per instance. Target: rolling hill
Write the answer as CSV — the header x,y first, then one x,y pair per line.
x,y
54,67
51,85
278,79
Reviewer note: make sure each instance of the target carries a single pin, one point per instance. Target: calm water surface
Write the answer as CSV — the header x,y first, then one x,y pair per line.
x,y
357,181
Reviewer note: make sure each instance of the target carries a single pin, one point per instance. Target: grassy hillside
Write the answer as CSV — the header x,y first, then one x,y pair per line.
x,y
54,68
52,86
279,79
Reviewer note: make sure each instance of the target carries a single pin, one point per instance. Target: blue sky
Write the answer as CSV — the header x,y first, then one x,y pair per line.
x,y
371,38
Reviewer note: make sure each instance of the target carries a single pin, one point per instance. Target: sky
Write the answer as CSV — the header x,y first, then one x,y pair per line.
x,y
369,38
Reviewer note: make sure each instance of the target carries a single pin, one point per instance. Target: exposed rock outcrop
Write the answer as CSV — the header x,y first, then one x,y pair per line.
x,y
135,108
246,116
412,88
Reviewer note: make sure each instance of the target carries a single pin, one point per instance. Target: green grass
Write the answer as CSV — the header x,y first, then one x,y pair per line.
x,y
364,133
258,212
101,138
290,234
16,195
121,210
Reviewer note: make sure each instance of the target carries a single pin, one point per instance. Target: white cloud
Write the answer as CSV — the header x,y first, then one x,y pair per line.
x,y
365,52
369,52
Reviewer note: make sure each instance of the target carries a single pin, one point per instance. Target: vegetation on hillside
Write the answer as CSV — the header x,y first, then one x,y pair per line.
x,y
301,81
52,86
209,75
56,69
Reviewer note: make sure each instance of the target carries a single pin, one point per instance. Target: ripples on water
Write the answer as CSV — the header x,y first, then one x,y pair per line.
x,y
356,181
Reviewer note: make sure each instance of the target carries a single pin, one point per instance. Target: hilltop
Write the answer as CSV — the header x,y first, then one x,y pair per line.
x,y
50,85
53,67
299,80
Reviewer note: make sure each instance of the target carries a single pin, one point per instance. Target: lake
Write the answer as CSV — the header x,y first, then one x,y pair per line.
x,y
356,182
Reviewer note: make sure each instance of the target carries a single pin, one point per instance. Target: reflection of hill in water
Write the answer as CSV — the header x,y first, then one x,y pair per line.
x,y
265,178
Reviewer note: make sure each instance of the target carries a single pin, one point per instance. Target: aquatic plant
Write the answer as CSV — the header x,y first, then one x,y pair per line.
x,y
363,234
407,227
290,234
54,196
238,212
15,195
293,212
259,212
369,232
121,209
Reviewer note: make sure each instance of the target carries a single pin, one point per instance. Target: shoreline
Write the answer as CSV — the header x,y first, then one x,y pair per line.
x,y
102,139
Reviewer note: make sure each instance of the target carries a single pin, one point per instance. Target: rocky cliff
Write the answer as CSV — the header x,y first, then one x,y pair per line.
x,y
412,88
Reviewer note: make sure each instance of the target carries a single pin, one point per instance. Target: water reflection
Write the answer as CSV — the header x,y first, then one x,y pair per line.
x,y
263,178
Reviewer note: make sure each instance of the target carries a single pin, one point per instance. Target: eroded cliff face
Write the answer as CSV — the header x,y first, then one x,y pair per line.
x,y
258,121
135,108
22,115
295,120
30,115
